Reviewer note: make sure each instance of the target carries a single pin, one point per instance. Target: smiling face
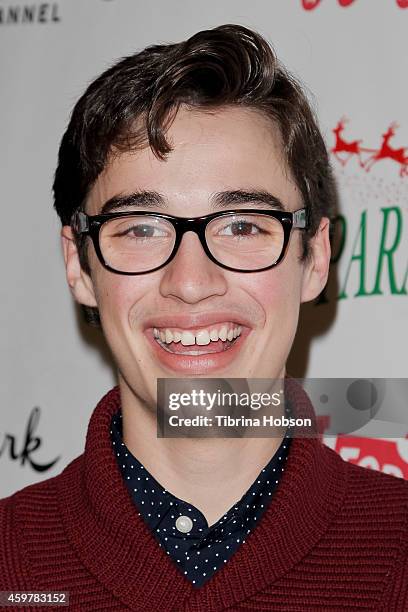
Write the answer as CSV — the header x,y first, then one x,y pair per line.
x,y
192,317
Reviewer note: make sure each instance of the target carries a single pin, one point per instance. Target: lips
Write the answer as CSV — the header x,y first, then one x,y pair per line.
x,y
196,344
208,337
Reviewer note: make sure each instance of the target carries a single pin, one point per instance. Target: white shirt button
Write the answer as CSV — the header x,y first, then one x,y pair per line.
x,y
184,524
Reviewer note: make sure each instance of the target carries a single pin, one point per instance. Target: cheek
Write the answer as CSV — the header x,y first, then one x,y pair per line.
x,y
116,294
277,292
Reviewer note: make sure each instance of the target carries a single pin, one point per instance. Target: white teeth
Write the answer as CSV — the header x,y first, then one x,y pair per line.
x,y
214,335
203,337
187,338
223,333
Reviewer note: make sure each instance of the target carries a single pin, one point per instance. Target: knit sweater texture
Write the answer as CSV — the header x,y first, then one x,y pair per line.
x,y
333,538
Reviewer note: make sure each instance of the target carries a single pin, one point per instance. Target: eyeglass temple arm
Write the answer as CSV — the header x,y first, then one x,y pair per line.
x,y
80,222
300,218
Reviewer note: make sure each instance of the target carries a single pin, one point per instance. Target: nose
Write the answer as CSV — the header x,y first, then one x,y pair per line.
x,y
191,276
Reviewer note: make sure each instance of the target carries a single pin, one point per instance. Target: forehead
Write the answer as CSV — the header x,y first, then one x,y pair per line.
x,y
225,149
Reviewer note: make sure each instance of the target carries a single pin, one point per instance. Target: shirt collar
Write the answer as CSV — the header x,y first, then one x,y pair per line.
x,y
145,490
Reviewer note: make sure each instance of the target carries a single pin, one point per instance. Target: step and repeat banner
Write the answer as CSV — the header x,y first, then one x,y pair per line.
x,y
351,56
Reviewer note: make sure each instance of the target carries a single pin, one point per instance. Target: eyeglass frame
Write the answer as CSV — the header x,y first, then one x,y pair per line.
x,y
90,225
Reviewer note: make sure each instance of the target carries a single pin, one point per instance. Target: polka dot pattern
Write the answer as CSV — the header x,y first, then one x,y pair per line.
x,y
205,549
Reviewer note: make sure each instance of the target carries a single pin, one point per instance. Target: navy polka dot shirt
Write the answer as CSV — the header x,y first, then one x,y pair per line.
x,y
198,549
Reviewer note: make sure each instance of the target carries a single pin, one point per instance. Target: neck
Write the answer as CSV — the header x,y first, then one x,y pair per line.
x,y
210,473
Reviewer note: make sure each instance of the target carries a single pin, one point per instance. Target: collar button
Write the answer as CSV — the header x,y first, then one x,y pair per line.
x,y
184,524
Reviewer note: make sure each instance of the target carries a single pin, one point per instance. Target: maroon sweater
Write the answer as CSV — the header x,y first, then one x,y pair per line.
x,y
333,538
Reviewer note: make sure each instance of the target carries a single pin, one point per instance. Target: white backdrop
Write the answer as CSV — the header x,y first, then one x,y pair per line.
x,y
353,59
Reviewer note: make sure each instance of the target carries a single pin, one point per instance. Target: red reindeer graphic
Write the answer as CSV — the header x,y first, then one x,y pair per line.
x,y
310,5
386,152
342,146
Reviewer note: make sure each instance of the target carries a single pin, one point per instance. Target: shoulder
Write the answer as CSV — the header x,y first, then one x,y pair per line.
x,y
377,508
370,530
39,491
32,512
371,485
373,480
374,512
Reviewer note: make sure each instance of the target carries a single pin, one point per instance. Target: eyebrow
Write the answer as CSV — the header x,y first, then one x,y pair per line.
x,y
223,199
219,200
142,199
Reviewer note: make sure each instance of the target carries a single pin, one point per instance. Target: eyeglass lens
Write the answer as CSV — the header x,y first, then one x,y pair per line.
x,y
241,241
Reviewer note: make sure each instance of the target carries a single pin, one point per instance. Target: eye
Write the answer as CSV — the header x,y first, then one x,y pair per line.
x,y
138,230
242,228
143,230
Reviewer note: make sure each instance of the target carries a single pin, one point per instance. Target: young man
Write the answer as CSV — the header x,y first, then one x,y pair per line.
x,y
194,190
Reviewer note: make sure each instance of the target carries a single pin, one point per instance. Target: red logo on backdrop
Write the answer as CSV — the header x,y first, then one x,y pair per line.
x,y
386,456
344,149
310,5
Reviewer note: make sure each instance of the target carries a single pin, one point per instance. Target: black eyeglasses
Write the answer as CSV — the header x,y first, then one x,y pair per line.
x,y
246,240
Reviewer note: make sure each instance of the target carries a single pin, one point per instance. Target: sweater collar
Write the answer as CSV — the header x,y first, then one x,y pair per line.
x,y
117,547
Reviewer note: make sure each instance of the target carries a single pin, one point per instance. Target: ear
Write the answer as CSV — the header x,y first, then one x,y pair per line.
x,y
79,282
317,265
